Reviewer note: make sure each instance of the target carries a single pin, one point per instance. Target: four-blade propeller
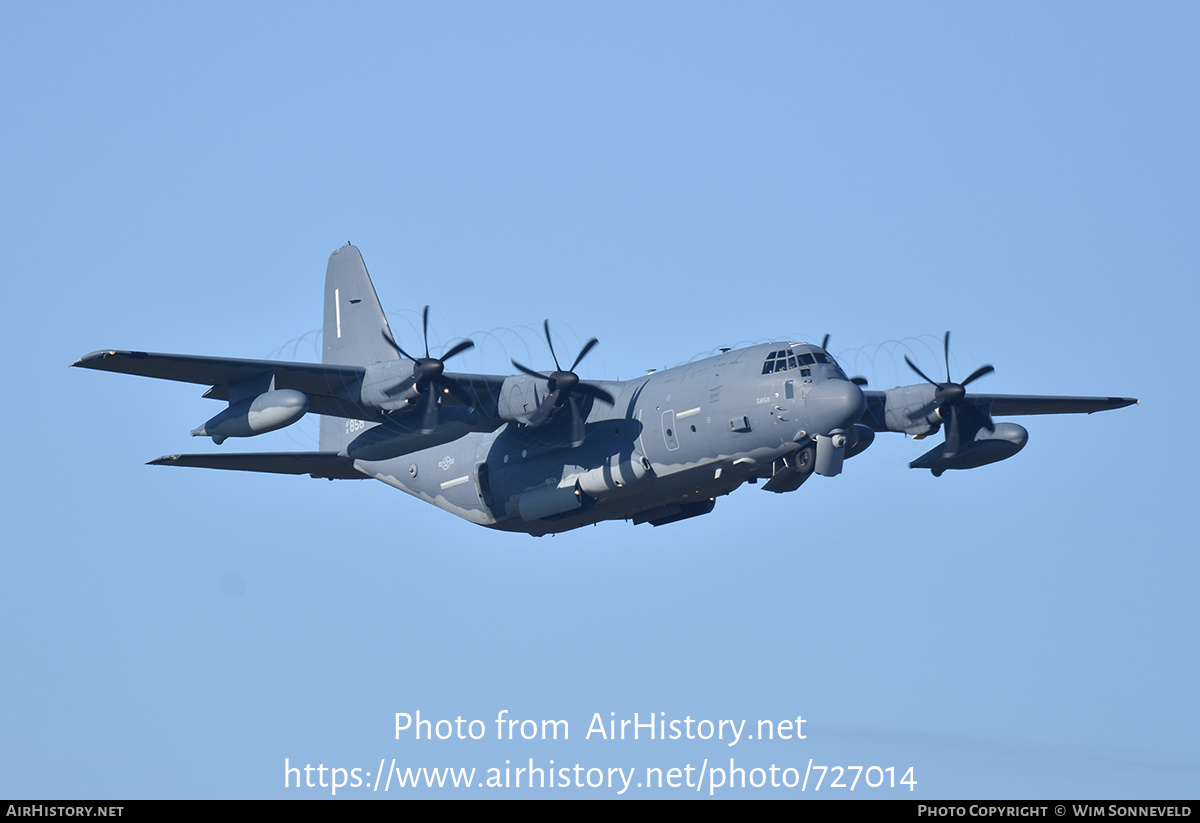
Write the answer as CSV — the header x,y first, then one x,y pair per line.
x,y
428,375
950,394
563,385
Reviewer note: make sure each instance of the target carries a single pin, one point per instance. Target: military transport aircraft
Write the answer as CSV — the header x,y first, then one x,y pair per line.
x,y
544,451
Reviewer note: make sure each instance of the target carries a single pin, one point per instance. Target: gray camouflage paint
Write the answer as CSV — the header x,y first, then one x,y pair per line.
x,y
664,450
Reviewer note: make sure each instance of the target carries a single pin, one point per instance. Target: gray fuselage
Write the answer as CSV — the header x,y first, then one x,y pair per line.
x,y
671,443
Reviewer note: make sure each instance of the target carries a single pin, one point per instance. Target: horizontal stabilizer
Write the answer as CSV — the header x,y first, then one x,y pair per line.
x,y
329,465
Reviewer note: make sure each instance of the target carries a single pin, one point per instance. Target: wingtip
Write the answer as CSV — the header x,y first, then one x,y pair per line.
x,y
92,357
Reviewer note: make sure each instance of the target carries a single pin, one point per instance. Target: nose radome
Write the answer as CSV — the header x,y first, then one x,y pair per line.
x,y
834,404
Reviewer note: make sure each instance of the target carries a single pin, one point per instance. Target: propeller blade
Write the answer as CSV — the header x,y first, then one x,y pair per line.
x,y
391,341
430,418
542,413
577,430
979,372
913,366
529,371
587,347
459,349
550,343
953,435
595,392
425,328
946,346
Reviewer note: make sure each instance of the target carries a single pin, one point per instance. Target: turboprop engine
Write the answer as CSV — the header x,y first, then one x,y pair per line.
x,y
972,437
265,413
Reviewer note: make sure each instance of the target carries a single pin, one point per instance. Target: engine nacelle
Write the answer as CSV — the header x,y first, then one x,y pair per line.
x,y
389,385
265,413
911,409
519,398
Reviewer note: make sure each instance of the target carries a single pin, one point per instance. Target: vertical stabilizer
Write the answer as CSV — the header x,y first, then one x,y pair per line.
x,y
355,331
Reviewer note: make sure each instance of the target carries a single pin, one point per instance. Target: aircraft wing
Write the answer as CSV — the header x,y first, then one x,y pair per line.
x,y
333,390
1014,404
1006,405
329,465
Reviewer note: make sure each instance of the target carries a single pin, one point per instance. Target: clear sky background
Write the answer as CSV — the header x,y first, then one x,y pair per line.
x,y
670,178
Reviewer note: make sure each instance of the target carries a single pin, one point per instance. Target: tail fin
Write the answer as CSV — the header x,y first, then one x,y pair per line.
x,y
356,331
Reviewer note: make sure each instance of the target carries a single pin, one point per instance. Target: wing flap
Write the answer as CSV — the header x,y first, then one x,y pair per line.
x,y
329,465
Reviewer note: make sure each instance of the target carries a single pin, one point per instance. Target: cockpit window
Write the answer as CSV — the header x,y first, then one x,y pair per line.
x,y
786,360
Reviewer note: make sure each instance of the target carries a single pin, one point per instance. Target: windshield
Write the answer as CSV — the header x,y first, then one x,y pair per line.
x,y
786,360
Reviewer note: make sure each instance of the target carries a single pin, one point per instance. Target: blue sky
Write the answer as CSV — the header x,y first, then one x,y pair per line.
x,y
669,178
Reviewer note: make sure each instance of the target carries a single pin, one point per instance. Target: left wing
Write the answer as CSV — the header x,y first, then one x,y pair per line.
x,y
329,465
332,389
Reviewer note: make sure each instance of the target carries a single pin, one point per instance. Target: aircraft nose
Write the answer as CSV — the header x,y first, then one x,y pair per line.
x,y
834,404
